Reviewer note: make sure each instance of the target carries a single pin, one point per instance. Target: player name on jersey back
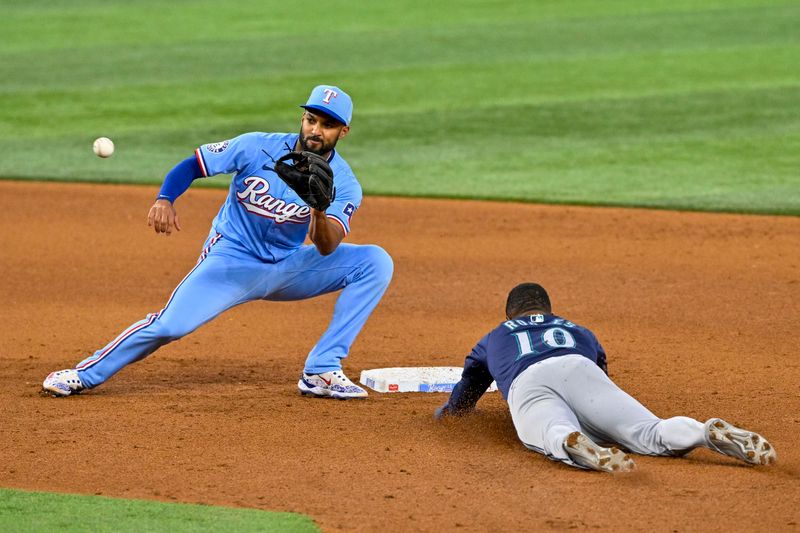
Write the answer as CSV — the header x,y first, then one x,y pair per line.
x,y
533,320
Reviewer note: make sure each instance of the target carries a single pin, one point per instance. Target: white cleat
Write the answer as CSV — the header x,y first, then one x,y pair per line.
x,y
584,452
63,383
332,384
739,443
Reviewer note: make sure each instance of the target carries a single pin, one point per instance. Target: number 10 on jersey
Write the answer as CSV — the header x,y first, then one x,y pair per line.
x,y
552,338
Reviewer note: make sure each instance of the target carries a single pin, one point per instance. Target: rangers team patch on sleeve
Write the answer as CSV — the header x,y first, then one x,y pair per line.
x,y
348,210
217,148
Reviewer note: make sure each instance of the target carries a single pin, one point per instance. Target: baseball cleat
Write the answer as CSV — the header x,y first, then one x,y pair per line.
x,y
62,383
739,443
584,452
332,384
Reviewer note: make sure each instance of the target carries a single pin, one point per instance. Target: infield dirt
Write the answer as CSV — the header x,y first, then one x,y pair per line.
x,y
698,313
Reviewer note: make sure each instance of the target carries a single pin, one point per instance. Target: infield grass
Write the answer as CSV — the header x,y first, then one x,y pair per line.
x,y
36,511
670,104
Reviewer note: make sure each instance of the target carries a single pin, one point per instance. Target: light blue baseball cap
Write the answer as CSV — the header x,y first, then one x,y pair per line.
x,y
332,101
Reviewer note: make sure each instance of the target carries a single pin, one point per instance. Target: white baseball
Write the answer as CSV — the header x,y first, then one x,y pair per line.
x,y
103,147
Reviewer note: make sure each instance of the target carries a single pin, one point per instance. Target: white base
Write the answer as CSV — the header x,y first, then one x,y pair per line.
x,y
414,379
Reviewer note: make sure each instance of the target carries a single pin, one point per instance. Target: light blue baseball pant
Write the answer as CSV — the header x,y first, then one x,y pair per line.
x,y
226,275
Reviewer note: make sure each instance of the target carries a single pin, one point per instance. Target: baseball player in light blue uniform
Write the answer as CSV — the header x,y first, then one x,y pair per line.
x,y
255,251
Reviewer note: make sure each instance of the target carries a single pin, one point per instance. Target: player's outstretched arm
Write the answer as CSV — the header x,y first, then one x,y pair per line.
x,y
465,395
475,380
162,216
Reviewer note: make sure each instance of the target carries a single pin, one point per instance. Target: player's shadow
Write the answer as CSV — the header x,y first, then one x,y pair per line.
x,y
707,457
199,375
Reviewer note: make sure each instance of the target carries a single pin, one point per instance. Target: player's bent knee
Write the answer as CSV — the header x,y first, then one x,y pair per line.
x,y
380,261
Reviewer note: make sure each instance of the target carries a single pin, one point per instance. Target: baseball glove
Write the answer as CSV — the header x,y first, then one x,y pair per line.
x,y
310,176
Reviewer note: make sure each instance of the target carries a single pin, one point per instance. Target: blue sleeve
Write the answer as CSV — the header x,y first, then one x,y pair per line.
x,y
227,157
346,203
179,178
475,380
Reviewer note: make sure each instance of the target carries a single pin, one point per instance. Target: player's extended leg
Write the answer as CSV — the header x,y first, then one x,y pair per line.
x,y
612,415
546,424
222,278
609,412
362,273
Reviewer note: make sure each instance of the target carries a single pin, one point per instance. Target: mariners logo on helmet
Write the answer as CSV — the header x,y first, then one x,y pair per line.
x,y
217,147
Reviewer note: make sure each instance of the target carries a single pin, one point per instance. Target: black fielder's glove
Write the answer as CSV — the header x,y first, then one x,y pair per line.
x,y
310,176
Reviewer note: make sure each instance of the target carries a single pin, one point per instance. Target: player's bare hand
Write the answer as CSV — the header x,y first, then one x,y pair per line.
x,y
162,217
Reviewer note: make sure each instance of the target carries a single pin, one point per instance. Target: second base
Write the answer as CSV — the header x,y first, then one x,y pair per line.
x,y
413,379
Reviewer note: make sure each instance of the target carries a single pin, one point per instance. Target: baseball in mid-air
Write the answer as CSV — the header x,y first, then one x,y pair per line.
x,y
103,147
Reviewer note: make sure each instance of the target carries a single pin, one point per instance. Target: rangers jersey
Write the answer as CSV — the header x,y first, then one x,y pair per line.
x,y
262,213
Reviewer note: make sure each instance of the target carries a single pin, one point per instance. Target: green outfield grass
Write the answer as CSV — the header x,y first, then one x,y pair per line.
x,y
33,511
671,104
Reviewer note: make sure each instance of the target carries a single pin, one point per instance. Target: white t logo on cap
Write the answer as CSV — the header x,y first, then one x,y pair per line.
x,y
329,93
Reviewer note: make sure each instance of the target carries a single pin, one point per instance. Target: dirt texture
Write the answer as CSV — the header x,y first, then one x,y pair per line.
x,y
698,313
